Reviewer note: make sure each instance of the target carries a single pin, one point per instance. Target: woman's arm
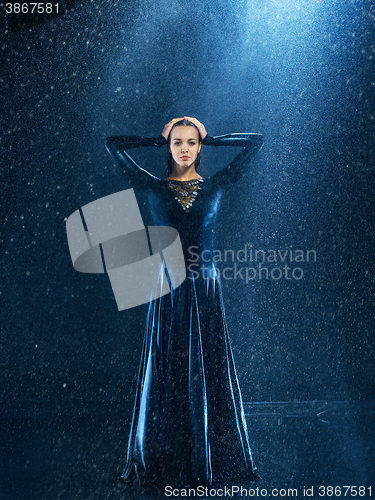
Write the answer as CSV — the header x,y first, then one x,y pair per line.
x,y
240,165
117,146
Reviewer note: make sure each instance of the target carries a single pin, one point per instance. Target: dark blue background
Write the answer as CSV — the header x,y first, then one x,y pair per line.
x,y
301,74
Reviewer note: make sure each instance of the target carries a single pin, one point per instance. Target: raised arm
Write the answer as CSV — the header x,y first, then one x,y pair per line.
x,y
240,165
117,147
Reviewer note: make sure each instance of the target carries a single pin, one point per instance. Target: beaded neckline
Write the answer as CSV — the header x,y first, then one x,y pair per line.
x,y
185,191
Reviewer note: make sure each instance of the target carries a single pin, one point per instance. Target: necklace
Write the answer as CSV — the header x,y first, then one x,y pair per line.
x,y
185,191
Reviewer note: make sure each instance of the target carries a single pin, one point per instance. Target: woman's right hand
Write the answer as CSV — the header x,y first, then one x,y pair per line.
x,y
167,129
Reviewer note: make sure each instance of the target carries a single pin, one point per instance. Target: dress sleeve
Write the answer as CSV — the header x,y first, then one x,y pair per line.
x,y
118,144
251,144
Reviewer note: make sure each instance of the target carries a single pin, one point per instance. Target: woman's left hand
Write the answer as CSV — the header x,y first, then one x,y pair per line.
x,y
199,125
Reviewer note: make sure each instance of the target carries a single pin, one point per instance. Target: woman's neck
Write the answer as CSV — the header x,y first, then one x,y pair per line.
x,y
184,174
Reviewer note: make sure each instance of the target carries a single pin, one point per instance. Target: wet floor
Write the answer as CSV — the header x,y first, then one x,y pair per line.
x,y
297,446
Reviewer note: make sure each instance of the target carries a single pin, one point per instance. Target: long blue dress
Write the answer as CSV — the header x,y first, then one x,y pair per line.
x,y
188,426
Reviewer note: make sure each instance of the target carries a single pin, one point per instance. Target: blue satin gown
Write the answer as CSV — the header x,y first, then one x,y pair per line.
x,y
188,426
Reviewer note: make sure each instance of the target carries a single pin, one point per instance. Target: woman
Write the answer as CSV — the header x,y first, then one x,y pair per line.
x,y
188,424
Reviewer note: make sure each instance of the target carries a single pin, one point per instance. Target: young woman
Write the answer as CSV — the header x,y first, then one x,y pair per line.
x,y
188,425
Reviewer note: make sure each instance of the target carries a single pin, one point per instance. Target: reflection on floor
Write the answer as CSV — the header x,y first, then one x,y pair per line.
x,y
296,445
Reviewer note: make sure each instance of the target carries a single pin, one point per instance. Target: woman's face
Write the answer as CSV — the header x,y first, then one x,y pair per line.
x,y
184,145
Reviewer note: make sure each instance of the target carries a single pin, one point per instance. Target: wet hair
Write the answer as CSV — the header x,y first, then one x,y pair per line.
x,y
170,161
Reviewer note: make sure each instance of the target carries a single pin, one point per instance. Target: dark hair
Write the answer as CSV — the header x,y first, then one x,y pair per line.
x,y
170,161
